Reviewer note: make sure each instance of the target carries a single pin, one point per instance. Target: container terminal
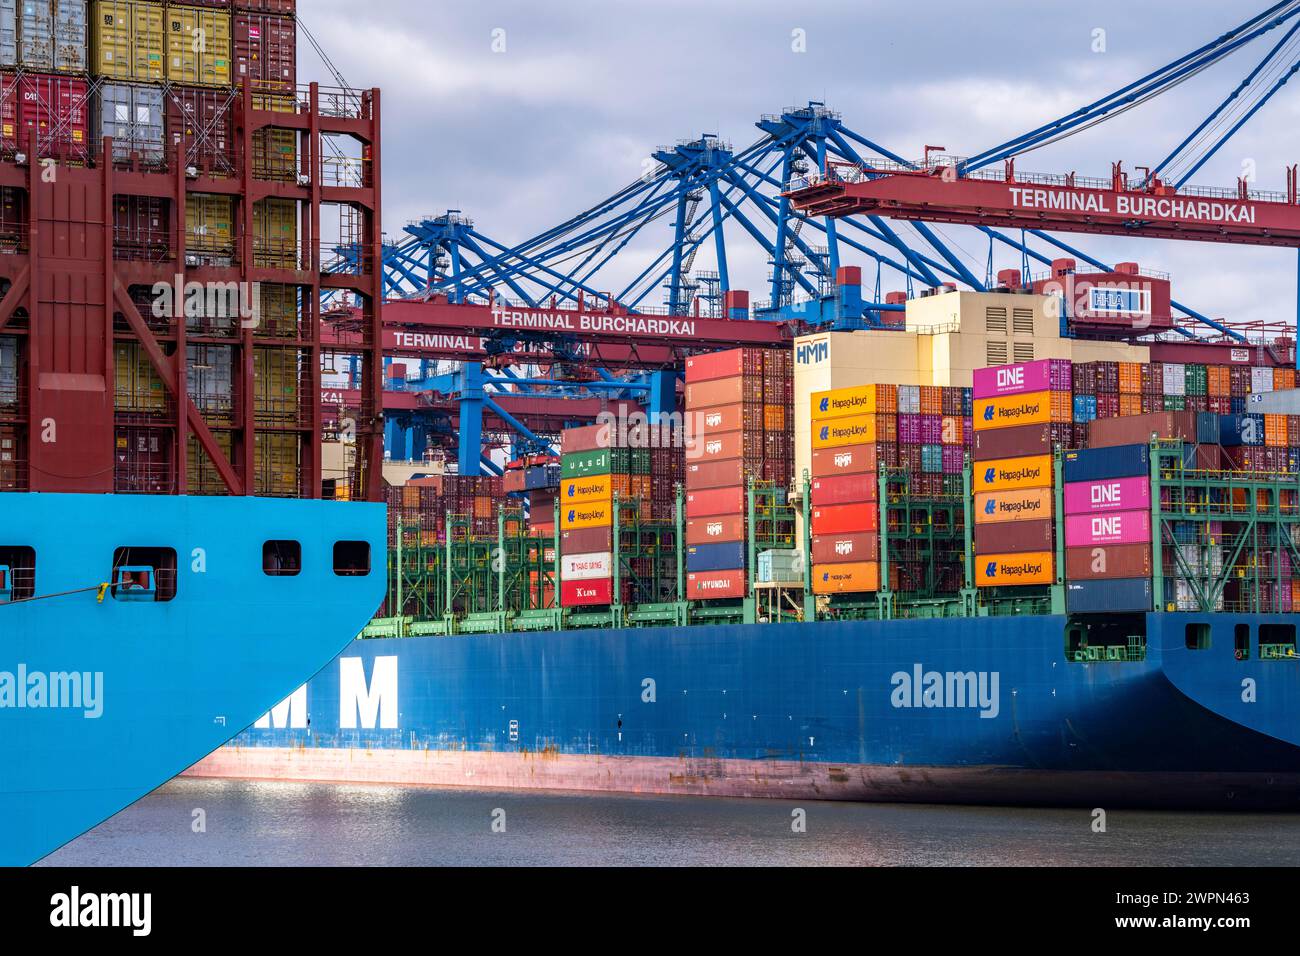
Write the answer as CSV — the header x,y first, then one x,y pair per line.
x,y
1022,532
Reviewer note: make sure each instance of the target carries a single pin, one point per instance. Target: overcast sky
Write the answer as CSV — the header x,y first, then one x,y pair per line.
x,y
567,113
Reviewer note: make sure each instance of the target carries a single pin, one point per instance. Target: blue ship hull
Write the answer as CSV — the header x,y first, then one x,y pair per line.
x,y
832,710
175,679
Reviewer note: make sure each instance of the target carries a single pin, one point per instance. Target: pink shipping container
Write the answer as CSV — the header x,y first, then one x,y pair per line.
x,y
1114,494
1041,376
1122,527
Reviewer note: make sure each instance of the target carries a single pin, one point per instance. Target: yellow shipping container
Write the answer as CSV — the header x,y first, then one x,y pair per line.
x,y
593,514
198,46
202,474
1014,570
993,507
277,310
275,234
858,577
275,151
1014,474
842,402
128,40
838,432
1012,410
276,465
137,387
208,224
275,386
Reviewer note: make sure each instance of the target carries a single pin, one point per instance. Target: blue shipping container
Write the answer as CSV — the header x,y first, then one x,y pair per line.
x,y
722,556
1098,597
1237,430
1098,464
1085,408
1207,428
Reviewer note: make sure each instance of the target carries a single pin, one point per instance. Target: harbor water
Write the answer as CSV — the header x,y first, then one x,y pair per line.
x,y
192,822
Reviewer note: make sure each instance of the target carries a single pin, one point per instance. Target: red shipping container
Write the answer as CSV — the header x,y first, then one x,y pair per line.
x,y
587,438
725,446
586,540
1014,537
718,391
851,460
728,364
844,519
1016,442
703,585
845,548
717,501
141,229
202,122
266,51
845,490
716,529
55,107
586,593
143,461
1102,562
715,474
284,8
726,418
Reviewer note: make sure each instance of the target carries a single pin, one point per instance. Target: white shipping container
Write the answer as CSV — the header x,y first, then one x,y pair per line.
x,y
1175,379
909,400
1185,598
587,567
1261,380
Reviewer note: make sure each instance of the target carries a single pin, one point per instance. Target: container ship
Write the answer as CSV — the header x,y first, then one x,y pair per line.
x,y
174,208
992,551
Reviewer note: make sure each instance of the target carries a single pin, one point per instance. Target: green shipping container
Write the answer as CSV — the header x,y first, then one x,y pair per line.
x,y
602,461
1175,403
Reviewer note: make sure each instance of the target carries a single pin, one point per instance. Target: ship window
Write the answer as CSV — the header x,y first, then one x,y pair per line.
x,y
352,558
145,574
18,583
281,558
1197,637
1241,641
1276,640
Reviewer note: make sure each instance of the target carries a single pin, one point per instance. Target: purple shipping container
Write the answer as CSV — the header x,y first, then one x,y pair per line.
x,y
931,429
1123,527
909,429
954,459
1112,494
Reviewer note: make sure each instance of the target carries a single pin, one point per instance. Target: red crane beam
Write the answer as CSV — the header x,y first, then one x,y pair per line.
x,y
607,337
1056,203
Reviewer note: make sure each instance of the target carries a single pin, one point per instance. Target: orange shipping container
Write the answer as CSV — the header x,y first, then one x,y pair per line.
x,y
774,418
1283,379
839,432
1012,410
1130,378
844,402
859,577
1130,405
1275,431
1013,570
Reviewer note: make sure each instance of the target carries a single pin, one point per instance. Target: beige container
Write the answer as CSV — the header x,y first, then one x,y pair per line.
x,y
198,46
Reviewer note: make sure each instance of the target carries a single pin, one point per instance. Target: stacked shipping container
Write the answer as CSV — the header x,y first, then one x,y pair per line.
x,y
739,405
1021,413
1108,529
845,488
